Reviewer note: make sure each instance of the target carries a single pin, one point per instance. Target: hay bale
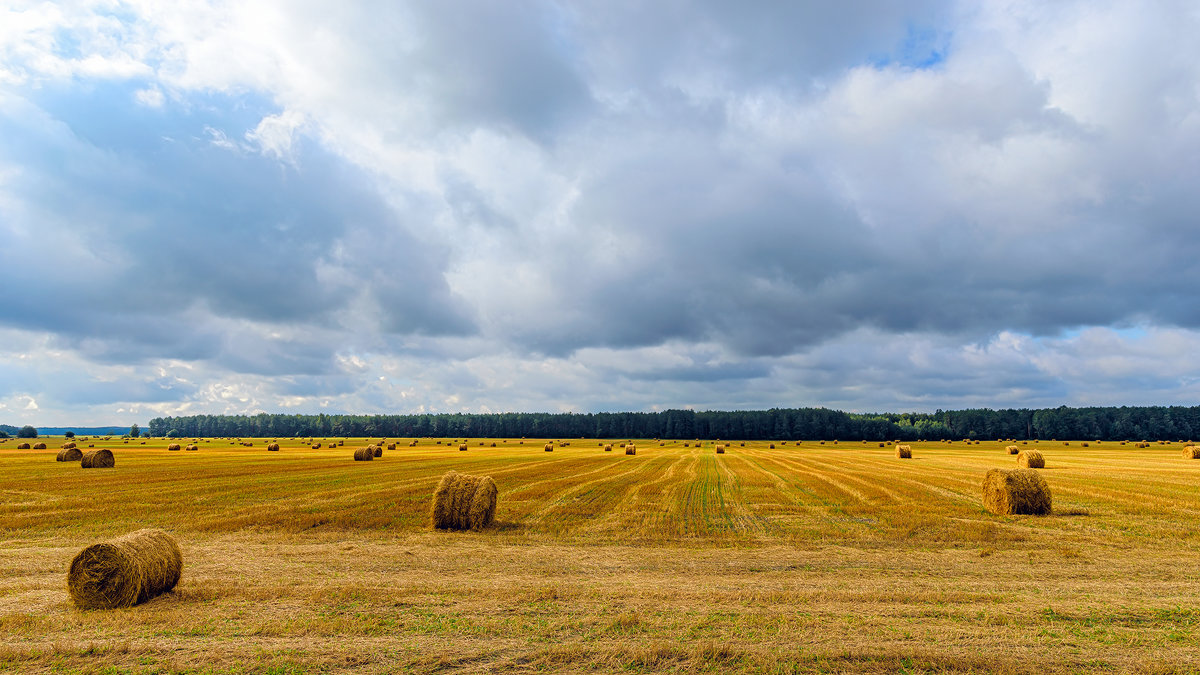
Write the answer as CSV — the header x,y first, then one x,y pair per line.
x,y
174,447
39,446
1083,444
125,571
316,446
631,449
272,447
549,447
1012,449
97,459
1016,491
67,446
462,447
1031,459
413,444
391,446
720,449
364,454
378,450
608,447
71,454
464,502
191,448
1191,452
773,445
904,451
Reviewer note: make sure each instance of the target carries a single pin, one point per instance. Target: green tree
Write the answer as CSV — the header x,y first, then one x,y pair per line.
x,y
134,431
69,434
27,432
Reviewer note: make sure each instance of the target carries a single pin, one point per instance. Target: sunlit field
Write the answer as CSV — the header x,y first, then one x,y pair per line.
x,y
808,557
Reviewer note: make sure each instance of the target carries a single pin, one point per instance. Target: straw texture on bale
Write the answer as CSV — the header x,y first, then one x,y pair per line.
x,y
631,449
904,451
1012,449
549,447
192,448
272,447
97,459
68,445
1031,459
462,447
608,447
720,449
125,571
39,446
364,454
378,450
1016,491
71,454
464,502
1191,452
173,447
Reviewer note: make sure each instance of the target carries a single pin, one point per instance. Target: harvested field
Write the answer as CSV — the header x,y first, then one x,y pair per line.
x,y
806,558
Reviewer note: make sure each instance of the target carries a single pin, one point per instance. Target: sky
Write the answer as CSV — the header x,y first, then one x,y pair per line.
x,y
402,207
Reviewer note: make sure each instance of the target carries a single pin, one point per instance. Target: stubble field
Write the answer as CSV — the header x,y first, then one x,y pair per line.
x,y
803,558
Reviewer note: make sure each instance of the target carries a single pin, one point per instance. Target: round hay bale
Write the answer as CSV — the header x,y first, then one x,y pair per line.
x,y
1031,459
631,449
364,454
378,450
1191,452
191,448
391,446
904,451
125,571
39,446
463,502
608,447
462,447
272,447
773,445
549,447
1016,491
720,449
413,444
71,454
1012,449
173,447
316,446
22,446
1083,444
97,459
68,445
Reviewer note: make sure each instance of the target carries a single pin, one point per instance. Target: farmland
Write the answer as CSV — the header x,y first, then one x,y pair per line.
x,y
804,557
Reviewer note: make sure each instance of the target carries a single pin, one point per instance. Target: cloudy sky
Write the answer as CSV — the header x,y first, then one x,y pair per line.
x,y
377,206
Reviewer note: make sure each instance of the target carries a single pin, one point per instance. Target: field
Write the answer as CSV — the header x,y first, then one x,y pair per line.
x,y
808,557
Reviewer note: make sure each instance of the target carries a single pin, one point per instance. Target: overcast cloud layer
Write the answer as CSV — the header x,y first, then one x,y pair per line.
x,y
233,207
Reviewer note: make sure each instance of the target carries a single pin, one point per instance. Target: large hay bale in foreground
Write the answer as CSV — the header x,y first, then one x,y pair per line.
x,y
125,571
1016,491
272,447
364,454
631,449
71,454
97,459
1031,459
904,451
464,502
174,447
1012,449
1191,452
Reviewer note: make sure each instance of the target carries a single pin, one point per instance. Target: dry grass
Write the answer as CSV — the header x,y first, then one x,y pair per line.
x,y
802,559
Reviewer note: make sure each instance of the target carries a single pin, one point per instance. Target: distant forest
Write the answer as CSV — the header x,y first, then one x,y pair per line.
x,y
1124,423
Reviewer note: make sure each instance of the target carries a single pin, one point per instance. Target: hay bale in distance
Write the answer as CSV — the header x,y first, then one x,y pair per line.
x,y
97,459
549,447
272,447
1016,491
630,449
378,450
608,447
773,445
174,447
720,449
391,446
1191,452
904,451
462,447
1012,449
71,454
68,445
39,446
125,571
364,454
464,502
316,446
1031,459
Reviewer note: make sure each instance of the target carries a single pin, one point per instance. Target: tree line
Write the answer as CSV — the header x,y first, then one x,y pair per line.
x,y
1110,423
